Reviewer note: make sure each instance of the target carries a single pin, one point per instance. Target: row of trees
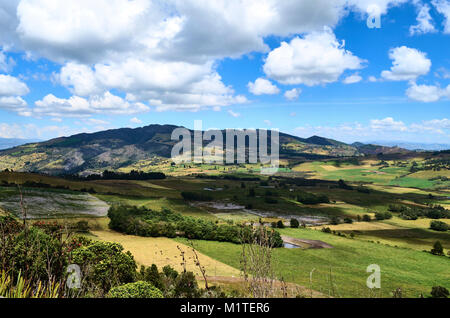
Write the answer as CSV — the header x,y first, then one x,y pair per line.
x,y
111,175
166,223
413,213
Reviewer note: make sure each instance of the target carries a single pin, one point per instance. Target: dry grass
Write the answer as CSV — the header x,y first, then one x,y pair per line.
x,y
164,251
400,190
280,289
361,226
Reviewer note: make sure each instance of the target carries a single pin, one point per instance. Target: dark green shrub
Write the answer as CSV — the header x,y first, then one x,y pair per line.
x,y
82,226
397,208
437,249
34,254
195,196
310,198
270,200
439,226
343,185
383,216
186,286
348,220
362,189
280,224
10,225
295,224
366,218
152,276
334,220
169,272
138,289
439,292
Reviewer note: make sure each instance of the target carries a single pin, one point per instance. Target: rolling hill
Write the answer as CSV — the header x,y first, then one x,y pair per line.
x,y
118,148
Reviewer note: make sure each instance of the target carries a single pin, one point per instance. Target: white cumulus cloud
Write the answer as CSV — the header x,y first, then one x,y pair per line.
x,y
352,79
10,85
135,120
293,94
387,124
262,87
318,58
407,64
427,93
76,106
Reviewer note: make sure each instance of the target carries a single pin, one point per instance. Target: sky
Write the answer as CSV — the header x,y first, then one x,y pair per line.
x,y
351,70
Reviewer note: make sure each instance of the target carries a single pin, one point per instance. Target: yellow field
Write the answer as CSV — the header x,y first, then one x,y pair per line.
x,y
400,190
360,226
417,224
347,208
164,251
430,174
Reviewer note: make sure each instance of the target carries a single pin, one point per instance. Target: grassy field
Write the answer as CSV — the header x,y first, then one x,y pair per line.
x,y
371,171
413,271
396,232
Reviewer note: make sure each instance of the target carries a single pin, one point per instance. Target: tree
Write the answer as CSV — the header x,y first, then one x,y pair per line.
x,y
280,224
152,276
348,220
437,249
366,218
294,223
186,286
138,289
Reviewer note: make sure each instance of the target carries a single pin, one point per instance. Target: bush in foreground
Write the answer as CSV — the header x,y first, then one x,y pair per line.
x,y
104,265
138,289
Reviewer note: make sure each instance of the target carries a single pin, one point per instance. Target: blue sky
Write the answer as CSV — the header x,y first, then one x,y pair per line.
x,y
83,67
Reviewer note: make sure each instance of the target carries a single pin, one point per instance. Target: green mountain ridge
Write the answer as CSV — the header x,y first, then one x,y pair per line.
x,y
118,148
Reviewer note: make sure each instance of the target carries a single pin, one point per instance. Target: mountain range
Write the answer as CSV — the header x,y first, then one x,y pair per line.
x,y
416,146
6,143
126,147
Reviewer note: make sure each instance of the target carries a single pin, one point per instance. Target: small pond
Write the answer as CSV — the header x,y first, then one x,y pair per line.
x,y
289,245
